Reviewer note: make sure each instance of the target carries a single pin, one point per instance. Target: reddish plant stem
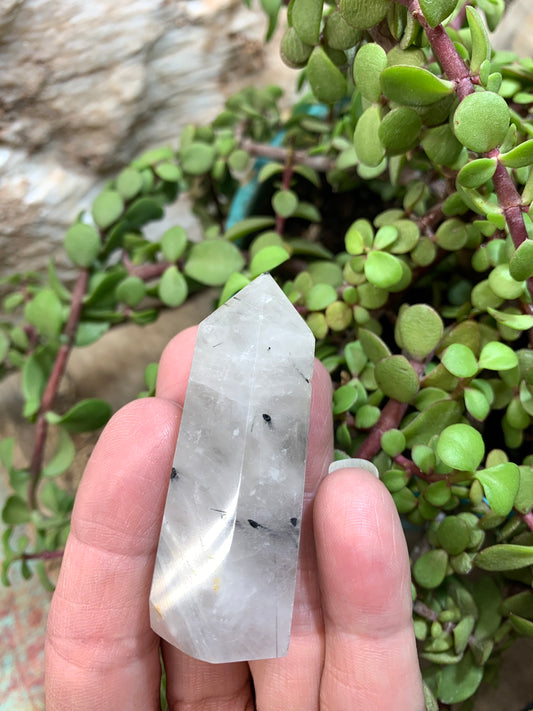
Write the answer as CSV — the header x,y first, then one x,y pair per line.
x,y
146,272
424,611
42,555
391,416
509,201
457,71
280,154
50,391
409,466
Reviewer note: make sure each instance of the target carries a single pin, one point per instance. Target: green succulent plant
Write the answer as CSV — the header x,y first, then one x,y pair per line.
x,y
392,205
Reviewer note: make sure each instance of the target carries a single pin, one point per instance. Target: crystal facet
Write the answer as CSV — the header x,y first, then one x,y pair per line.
x,y
225,573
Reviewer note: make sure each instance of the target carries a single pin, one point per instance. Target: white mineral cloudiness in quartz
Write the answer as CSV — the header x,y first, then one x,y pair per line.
x,y
225,574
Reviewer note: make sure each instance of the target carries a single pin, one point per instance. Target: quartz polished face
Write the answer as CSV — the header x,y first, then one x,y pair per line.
x,y
225,573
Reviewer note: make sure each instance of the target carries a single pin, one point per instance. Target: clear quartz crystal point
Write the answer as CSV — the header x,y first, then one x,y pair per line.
x,y
225,573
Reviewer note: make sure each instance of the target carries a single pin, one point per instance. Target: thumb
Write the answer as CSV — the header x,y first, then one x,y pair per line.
x,y
364,574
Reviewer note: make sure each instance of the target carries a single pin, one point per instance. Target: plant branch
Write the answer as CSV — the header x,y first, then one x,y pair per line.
x,y
42,555
425,611
52,386
391,416
280,154
457,72
444,50
146,272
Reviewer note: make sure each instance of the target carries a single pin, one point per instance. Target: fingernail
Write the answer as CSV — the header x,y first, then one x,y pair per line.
x,y
353,464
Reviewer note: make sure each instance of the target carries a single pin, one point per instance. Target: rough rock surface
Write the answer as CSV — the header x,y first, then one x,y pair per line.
x,y
86,87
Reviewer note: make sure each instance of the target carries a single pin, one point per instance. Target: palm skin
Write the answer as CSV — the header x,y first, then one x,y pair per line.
x,y
352,641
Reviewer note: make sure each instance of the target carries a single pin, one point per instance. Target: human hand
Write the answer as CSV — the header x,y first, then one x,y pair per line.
x,y
352,641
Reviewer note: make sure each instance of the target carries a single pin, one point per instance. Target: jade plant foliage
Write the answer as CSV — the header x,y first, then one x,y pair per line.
x,y
392,205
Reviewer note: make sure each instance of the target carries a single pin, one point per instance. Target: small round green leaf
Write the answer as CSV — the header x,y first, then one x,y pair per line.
x,y
500,484
504,556
430,569
393,442
373,346
325,272
267,259
419,330
338,33
129,183
197,158
397,378
86,416
366,417
481,121
234,284
294,53
369,62
460,361
306,16
320,296
461,447
414,86
424,458
383,269
82,244
172,287
15,511
131,291
239,160
284,202
521,264
436,11
107,208
363,14
481,49
45,312
404,500
211,262
169,172
143,210
497,356
354,242
437,494
520,322
476,404
173,243
368,146
317,323
399,130
343,398
458,682
453,535
385,237
338,316
503,284
327,82
519,157
452,234
477,172
248,226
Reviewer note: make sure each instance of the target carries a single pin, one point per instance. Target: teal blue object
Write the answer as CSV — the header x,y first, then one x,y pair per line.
x,y
243,199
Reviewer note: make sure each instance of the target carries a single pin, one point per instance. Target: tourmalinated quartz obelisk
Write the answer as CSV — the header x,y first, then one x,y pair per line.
x,y
225,574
